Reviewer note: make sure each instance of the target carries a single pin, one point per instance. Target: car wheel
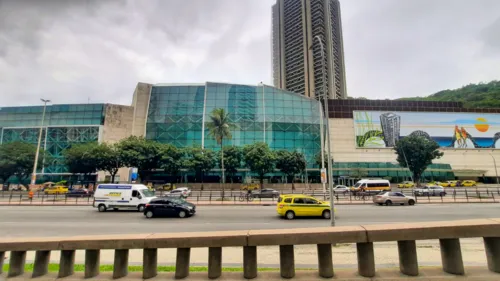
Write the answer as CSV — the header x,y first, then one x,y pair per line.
x,y
411,202
149,214
290,215
141,208
326,214
182,214
101,208
388,203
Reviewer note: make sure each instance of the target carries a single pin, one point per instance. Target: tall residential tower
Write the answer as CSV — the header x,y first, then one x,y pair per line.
x,y
297,58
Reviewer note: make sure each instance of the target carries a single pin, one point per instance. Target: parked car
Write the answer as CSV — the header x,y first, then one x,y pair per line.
x,y
430,190
81,192
169,207
265,193
55,190
390,198
340,189
406,184
449,184
181,192
469,183
291,206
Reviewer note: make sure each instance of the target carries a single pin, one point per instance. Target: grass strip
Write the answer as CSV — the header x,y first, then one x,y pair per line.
x,y
54,267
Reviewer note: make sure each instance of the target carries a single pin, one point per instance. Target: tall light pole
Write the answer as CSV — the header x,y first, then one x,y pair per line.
x,y
495,163
329,155
33,176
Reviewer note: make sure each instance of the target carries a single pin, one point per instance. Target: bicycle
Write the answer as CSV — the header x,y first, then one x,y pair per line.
x,y
247,197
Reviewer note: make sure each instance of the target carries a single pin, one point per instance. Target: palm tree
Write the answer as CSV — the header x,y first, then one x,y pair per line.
x,y
220,128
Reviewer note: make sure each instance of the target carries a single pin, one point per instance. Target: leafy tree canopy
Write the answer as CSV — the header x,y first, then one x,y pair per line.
x,y
416,153
200,160
171,159
143,154
108,158
81,158
259,159
290,163
17,158
233,157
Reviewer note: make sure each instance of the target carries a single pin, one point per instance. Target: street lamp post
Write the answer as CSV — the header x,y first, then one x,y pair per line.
x,y
33,176
495,163
329,155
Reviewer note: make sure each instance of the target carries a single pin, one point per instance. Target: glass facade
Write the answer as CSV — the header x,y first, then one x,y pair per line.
x,y
282,119
63,125
440,172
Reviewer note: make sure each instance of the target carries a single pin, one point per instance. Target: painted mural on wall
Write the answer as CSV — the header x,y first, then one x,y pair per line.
x,y
378,129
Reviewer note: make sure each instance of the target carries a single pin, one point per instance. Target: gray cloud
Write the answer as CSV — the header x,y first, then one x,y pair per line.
x,y
72,51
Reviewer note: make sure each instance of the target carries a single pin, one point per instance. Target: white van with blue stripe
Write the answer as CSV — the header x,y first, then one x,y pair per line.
x,y
122,196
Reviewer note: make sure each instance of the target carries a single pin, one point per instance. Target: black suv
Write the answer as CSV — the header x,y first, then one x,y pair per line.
x,y
169,207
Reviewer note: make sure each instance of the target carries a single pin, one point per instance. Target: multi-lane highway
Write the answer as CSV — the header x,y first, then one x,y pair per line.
x,y
20,221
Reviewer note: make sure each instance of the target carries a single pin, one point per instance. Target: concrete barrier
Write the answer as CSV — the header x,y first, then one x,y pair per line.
x,y
364,236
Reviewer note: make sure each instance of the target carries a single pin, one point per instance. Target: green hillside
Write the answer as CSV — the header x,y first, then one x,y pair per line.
x,y
473,95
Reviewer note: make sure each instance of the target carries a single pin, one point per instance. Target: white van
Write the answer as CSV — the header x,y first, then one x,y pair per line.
x,y
372,185
122,196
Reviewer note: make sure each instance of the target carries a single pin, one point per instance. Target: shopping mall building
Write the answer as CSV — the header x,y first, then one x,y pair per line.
x,y
362,132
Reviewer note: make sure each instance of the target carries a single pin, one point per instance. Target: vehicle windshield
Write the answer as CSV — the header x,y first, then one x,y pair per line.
x,y
147,193
358,184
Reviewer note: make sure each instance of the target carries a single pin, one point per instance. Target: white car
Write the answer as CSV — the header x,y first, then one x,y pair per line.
x,y
430,190
340,189
183,192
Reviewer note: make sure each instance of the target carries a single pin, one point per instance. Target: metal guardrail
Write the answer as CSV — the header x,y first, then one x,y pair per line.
x,y
454,195
364,237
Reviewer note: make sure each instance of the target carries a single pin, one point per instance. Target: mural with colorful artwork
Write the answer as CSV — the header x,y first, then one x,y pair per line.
x,y
378,129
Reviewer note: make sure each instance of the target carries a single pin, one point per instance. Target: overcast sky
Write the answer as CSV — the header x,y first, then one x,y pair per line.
x,y
76,51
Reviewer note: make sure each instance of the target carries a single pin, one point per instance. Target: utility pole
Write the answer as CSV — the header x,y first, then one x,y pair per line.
x,y
33,175
329,155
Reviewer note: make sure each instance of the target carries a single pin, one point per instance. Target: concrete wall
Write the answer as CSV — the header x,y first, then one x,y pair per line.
x,y
118,124
344,149
140,103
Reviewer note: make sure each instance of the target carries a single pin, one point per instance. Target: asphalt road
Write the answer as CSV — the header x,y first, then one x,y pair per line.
x,y
67,221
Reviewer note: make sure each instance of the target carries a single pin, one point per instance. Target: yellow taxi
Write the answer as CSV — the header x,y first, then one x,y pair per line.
x,y
469,183
406,184
449,184
55,190
299,205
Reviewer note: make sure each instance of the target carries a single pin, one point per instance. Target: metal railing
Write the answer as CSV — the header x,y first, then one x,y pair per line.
x,y
214,197
449,234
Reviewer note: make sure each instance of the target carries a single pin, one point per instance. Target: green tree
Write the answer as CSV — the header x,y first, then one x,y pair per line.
x,y
200,161
259,159
219,128
108,159
17,159
145,155
481,95
290,163
172,159
82,158
416,153
233,158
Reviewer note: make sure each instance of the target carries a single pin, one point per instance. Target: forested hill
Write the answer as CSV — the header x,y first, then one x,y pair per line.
x,y
473,95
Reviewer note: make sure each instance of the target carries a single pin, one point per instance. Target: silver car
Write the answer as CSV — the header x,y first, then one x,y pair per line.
x,y
430,190
389,198
340,189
